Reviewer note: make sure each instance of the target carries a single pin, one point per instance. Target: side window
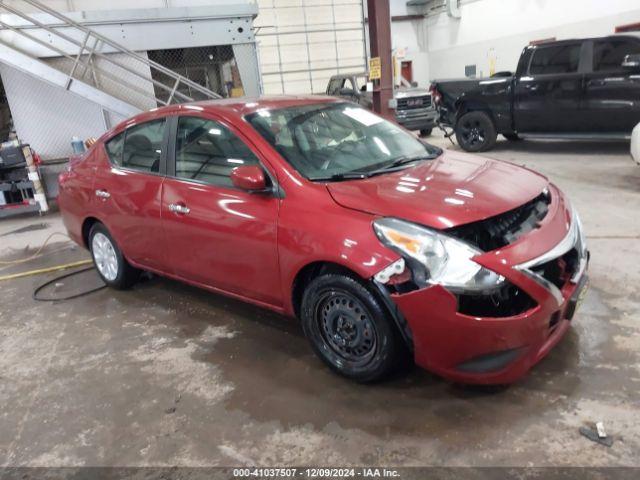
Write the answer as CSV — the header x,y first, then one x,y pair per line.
x,y
555,59
114,149
143,146
207,151
609,54
335,85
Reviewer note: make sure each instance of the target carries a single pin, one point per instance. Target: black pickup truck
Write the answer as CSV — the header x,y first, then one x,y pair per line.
x,y
587,88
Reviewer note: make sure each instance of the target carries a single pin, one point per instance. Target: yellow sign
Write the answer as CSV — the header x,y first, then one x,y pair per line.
x,y
375,72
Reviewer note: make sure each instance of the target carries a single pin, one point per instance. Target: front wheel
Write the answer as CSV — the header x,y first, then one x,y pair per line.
x,y
112,267
425,132
476,132
349,329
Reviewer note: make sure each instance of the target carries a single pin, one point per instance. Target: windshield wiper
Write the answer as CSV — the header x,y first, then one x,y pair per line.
x,y
399,162
341,176
404,160
393,165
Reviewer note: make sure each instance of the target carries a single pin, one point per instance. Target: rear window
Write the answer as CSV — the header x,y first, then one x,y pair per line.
x,y
335,85
555,59
139,147
609,54
114,149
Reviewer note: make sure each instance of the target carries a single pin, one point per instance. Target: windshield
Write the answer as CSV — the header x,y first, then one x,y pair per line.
x,y
338,140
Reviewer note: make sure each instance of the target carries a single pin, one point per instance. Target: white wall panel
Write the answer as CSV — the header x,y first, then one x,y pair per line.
x,y
499,29
303,42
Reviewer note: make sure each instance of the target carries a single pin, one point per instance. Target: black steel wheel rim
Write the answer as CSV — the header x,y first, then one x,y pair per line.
x,y
473,132
346,327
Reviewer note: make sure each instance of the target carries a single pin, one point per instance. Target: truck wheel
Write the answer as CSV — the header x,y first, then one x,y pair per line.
x,y
512,137
349,329
475,132
425,132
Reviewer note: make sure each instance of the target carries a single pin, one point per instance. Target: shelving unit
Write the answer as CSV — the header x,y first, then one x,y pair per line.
x,y
20,188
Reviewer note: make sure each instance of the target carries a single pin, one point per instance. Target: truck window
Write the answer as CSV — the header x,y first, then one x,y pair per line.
x,y
361,81
608,54
555,59
334,86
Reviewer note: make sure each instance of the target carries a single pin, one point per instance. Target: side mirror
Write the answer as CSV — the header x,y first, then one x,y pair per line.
x,y
347,92
249,177
631,61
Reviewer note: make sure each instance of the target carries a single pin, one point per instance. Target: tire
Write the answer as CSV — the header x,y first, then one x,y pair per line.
x,y
512,137
349,328
111,265
425,132
476,132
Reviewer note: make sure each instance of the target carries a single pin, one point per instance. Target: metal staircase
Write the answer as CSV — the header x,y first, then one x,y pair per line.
x,y
88,64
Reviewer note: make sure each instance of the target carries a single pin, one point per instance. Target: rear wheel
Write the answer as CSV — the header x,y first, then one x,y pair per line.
x,y
112,267
425,132
476,132
349,329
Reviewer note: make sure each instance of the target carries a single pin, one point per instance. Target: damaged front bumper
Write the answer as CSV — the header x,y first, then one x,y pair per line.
x,y
497,349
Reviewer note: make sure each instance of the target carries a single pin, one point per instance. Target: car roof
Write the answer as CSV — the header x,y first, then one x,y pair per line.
x,y
574,40
230,107
245,105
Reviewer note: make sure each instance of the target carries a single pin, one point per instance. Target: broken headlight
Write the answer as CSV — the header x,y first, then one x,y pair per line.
x,y
434,258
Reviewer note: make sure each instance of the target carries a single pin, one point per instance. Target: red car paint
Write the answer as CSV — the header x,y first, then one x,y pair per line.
x,y
252,246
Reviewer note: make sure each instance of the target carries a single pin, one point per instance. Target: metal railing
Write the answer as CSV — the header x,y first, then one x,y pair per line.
x,y
90,48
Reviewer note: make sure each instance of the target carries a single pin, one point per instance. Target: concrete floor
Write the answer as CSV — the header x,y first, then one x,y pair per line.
x,y
166,374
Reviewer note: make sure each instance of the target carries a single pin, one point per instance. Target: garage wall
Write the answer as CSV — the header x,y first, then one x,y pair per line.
x,y
302,43
410,35
501,29
496,31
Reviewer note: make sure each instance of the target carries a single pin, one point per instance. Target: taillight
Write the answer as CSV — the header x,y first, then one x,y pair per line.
x,y
435,94
36,158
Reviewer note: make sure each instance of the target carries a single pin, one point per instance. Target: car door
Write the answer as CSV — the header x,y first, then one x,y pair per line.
x,y
218,235
612,91
128,191
547,97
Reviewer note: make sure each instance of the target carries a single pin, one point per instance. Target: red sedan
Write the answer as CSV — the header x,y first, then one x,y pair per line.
x,y
379,243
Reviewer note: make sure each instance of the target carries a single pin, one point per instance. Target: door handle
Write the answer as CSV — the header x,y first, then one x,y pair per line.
x,y
102,194
604,81
178,208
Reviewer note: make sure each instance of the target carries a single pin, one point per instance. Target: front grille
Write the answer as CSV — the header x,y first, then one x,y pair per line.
x,y
559,270
506,228
409,103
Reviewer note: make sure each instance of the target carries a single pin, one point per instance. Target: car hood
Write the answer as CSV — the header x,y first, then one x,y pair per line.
x,y
454,189
411,92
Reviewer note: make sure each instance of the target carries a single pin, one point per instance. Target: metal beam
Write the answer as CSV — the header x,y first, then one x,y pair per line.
x,y
380,46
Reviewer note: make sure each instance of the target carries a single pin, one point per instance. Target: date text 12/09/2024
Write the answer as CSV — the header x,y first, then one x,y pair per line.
x,y
315,472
